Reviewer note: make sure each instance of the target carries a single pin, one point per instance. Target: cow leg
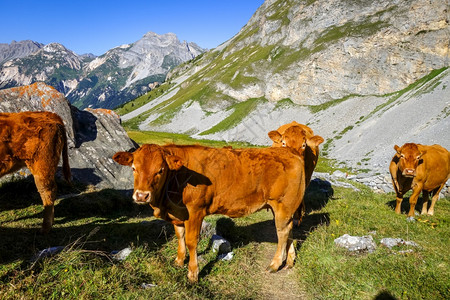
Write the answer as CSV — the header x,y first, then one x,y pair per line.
x,y
399,199
426,198
299,213
193,226
413,199
283,223
434,199
47,189
291,252
181,254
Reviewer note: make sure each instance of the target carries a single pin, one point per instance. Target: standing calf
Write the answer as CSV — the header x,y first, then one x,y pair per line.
x,y
183,184
35,140
420,168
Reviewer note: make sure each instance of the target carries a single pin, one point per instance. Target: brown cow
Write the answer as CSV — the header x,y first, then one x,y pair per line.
x,y
420,168
292,135
35,140
183,184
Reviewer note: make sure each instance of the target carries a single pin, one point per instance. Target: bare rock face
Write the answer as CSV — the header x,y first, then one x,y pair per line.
x,y
93,135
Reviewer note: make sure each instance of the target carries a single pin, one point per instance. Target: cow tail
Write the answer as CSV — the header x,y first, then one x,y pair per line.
x,y
65,156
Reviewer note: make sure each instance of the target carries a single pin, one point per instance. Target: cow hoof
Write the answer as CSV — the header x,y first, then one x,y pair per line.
x,y
179,262
193,276
410,219
271,269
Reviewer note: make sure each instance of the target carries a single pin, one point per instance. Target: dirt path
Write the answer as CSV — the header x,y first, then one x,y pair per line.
x,y
283,284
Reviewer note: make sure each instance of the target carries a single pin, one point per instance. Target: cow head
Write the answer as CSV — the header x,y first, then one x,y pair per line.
x,y
409,157
295,137
151,165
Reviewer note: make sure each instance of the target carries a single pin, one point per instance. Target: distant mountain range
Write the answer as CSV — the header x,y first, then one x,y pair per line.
x,y
119,75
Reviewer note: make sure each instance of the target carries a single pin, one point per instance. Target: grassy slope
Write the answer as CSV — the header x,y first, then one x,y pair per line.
x,y
95,223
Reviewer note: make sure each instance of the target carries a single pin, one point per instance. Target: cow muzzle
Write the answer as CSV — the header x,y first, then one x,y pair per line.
x,y
409,172
142,197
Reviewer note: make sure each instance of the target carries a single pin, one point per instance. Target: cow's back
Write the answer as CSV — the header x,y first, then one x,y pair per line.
x,y
242,181
435,168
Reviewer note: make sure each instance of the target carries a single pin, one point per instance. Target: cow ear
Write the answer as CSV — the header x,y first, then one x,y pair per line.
x,y
123,158
174,162
397,148
275,136
422,153
315,141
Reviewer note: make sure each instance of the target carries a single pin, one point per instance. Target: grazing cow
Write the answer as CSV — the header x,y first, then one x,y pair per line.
x,y
293,135
35,140
183,184
420,168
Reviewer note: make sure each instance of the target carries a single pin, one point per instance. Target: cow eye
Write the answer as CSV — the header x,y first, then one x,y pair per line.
x,y
161,170
133,168
402,155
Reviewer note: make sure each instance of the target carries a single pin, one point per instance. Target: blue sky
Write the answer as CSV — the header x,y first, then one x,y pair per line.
x,y
96,26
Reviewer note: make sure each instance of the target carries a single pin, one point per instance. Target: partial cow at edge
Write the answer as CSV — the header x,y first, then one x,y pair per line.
x,y
183,184
420,168
301,138
35,140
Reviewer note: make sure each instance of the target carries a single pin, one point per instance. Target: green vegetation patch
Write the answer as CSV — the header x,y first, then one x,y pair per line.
x,y
240,111
331,272
328,104
350,29
415,85
162,138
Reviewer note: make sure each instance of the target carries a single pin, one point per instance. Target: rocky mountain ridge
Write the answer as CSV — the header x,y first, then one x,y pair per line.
x,y
18,50
111,79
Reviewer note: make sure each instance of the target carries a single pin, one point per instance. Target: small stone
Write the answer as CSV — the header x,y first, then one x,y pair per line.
x,y
47,252
122,254
227,257
356,243
390,242
410,219
220,245
146,286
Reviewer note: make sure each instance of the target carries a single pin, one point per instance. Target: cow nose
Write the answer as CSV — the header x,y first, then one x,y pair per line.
x,y
409,172
141,196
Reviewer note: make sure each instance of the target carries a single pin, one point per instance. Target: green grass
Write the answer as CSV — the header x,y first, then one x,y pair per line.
x,y
316,108
240,111
333,273
162,138
92,224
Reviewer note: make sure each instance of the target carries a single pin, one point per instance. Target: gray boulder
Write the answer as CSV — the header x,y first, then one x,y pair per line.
x,y
94,136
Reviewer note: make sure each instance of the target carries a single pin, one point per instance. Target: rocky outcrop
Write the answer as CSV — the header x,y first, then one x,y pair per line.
x,y
94,135
315,51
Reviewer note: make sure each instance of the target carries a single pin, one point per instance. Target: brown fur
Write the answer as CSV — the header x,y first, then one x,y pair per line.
x,y
35,140
186,183
420,168
294,135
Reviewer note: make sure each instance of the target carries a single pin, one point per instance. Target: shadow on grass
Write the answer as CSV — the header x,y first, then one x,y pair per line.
x,y
404,206
264,231
100,218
